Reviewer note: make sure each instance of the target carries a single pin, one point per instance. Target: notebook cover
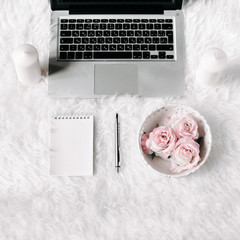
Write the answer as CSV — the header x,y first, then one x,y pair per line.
x,y
72,146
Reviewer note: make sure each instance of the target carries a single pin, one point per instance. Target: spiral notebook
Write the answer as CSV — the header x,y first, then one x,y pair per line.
x,y
72,146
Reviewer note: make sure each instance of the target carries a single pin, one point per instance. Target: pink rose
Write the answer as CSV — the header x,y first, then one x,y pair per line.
x,y
143,144
185,156
162,141
184,126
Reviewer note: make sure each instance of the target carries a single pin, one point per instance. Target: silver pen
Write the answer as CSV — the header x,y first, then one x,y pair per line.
x,y
117,145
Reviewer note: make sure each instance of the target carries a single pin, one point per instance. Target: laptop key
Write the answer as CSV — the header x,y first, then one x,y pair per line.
x,y
93,40
72,20
95,26
112,55
157,26
161,33
140,40
146,33
106,33
144,47
120,20
112,47
120,47
63,26
146,55
66,40
64,20
75,33
65,33
116,40
83,33
142,26
126,26
97,47
87,26
137,55
165,47
134,26
128,47
170,57
148,40
130,33
104,20
85,40
136,47
149,26
136,20
138,33
168,20
132,40
154,56
170,39
64,47
167,26
110,26
88,20
80,20
100,40
71,26
103,26
79,26
162,55
112,20
152,47
87,55
156,40
163,40
124,40
109,40
81,47
153,33
114,34
99,33
71,55
169,33
91,33
73,47
105,47
118,26
122,33
89,47
96,20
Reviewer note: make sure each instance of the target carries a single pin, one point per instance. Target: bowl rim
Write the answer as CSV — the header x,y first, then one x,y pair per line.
x,y
206,125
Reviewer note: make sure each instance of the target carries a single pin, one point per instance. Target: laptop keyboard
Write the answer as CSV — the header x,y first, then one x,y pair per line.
x,y
116,39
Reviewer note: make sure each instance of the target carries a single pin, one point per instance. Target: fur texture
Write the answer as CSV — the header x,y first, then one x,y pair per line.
x,y
138,203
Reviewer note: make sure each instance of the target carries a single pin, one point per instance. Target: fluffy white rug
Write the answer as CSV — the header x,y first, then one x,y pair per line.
x,y
138,203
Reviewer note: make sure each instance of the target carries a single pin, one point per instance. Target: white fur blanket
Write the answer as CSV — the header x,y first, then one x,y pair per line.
x,y
138,203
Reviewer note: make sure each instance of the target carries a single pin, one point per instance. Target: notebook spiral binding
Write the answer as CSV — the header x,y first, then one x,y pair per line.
x,y
71,117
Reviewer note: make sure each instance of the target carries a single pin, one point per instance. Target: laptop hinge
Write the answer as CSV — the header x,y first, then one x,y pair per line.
x,y
99,9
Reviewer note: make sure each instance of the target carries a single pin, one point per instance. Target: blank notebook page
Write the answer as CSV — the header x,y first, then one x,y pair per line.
x,y
72,146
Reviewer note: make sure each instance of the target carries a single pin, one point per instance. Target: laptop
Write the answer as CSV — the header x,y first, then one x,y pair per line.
x,y
114,47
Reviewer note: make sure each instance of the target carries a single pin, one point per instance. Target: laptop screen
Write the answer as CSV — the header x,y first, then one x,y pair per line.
x,y
117,2
114,4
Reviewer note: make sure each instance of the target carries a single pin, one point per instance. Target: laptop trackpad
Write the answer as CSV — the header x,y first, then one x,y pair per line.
x,y
110,79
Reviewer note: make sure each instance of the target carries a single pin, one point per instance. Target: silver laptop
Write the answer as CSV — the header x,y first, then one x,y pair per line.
x,y
112,47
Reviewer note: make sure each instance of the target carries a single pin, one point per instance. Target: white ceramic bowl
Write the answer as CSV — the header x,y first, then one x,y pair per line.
x,y
156,118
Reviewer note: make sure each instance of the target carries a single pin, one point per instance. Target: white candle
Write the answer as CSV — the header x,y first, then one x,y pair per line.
x,y
212,63
27,65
